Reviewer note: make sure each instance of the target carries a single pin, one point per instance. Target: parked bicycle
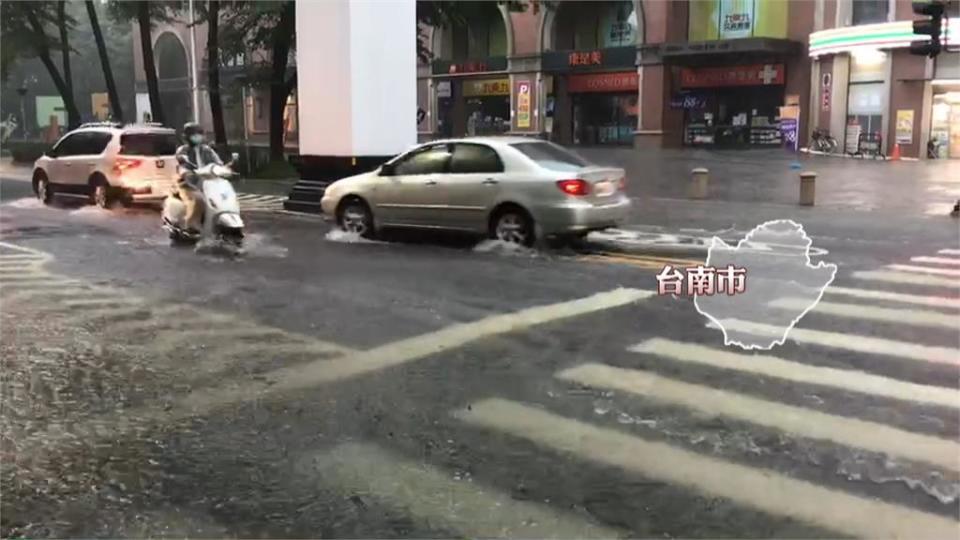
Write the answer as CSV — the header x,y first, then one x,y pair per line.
x,y
824,142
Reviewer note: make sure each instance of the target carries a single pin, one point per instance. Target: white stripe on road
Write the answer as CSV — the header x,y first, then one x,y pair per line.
x,y
434,496
906,277
850,342
772,366
925,270
914,317
771,414
935,260
760,489
410,349
935,301
949,252
108,300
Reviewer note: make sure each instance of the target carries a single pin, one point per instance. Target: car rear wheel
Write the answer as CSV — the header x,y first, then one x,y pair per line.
x,y
101,194
513,225
44,189
355,217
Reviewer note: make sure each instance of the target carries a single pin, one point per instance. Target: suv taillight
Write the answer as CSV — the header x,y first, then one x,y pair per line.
x,y
122,164
622,184
576,187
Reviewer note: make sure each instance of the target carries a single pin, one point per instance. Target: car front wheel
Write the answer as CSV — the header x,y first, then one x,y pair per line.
x,y
44,190
102,196
355,217
513,226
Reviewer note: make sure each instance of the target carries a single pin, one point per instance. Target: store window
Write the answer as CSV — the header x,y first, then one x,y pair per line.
x,y
736,19
595,25
870,11
487,105
867,92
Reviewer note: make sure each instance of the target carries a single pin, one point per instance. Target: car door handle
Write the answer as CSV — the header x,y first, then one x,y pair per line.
x,y
431,182
68,164
490,182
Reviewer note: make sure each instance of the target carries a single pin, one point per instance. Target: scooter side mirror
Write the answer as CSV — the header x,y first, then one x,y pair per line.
x,y
234,157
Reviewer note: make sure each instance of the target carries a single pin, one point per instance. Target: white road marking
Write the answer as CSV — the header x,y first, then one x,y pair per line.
x,y
914,317
925,270
949,252
42,286
852,342
935,260
760,489
471,509
103,300
772,366
905,277
21,277
793,420
410,349
936,301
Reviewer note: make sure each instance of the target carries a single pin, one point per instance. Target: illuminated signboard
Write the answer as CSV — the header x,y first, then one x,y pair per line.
x,y
892,35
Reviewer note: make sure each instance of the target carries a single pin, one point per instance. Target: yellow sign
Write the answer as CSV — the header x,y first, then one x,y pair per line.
x,y
905,126
487,87
100,105
523,104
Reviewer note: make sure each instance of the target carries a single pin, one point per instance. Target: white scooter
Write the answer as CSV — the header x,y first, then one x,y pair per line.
x,y
219,206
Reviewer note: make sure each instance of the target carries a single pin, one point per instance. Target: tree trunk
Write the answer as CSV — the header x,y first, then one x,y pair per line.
x,y
42,47
116,110
73,120
213,73
279,91
149,66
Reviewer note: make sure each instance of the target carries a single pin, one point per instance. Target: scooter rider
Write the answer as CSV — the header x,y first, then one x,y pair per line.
x,y
190,157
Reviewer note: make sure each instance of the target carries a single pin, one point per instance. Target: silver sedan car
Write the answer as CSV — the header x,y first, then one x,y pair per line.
x,y
514,189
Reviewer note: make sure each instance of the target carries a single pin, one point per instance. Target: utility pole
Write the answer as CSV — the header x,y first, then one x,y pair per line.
x,y
194,84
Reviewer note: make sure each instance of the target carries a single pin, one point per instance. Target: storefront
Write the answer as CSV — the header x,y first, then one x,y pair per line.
x,y
945,111
473,98
592,96
734,106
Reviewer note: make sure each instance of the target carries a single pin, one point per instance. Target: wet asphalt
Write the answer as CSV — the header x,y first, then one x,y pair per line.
x,y
320,386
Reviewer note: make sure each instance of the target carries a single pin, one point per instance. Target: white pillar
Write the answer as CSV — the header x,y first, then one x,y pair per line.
x,y
356,77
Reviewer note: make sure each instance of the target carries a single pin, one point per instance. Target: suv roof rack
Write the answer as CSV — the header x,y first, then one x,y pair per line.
x,y
101,124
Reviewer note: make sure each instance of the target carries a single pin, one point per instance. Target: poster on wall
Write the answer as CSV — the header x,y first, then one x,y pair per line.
x,y
736,18
523,104
905,126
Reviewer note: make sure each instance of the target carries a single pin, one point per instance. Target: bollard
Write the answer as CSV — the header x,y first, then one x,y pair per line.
x,y
808,187
698,187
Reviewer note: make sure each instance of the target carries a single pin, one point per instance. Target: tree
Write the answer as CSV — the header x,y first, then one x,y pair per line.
x,y
115,108
265,26
213,71
453,13
24,35
65,50
145,13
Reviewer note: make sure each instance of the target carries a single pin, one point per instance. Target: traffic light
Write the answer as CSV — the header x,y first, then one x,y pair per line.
x,y
932,26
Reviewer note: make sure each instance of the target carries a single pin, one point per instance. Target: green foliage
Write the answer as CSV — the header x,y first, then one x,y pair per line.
x,y
19,39
161,11
26,151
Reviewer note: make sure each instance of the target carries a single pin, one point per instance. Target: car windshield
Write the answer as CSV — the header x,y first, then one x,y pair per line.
x,y
148,144
551,156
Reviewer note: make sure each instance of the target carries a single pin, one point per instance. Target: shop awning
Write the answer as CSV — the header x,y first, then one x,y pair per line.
x,y
711,50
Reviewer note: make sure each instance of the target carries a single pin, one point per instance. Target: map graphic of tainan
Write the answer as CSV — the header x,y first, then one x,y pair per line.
x,y
781,285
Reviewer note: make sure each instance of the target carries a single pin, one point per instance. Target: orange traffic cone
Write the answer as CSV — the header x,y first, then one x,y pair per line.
x,y
895,155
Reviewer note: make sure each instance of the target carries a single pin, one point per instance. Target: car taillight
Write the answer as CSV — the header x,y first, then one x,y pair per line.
x,y
622,184
576,187
122,164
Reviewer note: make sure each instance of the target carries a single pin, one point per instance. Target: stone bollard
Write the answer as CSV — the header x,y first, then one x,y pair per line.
x,y
698,187
808,188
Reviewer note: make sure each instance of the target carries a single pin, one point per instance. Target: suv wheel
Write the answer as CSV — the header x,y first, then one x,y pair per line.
x,y
101,194
44,189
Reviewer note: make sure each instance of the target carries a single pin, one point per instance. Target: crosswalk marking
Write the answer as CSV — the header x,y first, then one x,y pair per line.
x,y
33,288
410,349
915,317
772,366
906,277
936,260
641,261
949,252
763,490
103,300
471,509
864,344
936,301
793,420
925,270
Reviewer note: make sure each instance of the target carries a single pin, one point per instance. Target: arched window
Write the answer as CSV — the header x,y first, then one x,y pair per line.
x,y
595,25
483,34
171,57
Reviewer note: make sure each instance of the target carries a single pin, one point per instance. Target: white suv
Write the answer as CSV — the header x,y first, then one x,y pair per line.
x,y
109,163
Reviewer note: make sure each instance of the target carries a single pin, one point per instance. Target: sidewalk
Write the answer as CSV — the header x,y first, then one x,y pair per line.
x,y
766,176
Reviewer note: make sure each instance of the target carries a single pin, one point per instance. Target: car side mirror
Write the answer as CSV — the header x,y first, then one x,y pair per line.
x,y
387,169
50,153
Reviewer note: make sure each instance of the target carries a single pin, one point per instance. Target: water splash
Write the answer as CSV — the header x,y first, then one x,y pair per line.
x,y
505,248
339,235
26,203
